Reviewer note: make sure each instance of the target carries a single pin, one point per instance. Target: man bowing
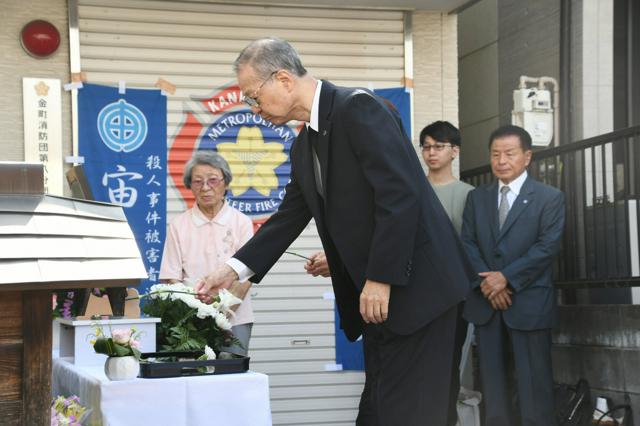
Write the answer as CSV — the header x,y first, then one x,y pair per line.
x,y
354,171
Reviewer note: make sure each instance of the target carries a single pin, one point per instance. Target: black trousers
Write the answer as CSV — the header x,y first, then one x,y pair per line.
x,y
517,379
408,378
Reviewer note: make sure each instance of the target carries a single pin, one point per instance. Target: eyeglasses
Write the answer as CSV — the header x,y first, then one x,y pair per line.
x,y
211,182
252,101
436,147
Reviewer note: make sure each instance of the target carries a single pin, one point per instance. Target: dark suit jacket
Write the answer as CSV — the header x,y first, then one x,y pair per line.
x,y
379,218
523,250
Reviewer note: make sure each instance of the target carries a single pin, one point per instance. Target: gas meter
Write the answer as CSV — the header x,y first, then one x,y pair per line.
x,y
532,110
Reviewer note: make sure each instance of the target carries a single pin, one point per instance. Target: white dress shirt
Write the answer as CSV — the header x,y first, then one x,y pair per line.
x,y
514,188
243,271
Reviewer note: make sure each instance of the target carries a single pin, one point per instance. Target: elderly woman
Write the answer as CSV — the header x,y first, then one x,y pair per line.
x,y
205,236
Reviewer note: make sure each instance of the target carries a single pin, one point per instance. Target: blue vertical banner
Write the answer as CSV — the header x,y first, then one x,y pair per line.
x,y
123,139
400,98
350,354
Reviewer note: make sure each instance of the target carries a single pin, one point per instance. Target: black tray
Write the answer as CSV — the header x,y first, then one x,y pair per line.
x,y
161,369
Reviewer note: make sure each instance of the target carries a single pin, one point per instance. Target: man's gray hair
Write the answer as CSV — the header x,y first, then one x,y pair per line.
x,y
270,54
206,158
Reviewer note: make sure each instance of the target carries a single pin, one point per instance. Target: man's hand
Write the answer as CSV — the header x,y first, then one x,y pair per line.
x,y
207,288
493,283
318,265
374,302
495,290
502,300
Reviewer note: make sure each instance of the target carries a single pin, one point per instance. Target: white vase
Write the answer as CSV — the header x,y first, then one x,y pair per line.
x,y
121,367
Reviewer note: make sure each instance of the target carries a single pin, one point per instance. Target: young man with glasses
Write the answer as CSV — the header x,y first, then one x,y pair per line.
x,y
354,171
440,143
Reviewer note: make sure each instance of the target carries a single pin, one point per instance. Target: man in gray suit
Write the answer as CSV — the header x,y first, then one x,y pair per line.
x,y
511,231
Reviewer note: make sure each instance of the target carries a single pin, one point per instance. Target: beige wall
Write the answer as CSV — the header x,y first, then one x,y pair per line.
x,y
434,57
435,70
15,64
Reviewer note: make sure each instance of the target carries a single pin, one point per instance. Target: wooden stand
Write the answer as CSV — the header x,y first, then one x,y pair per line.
x,y
40,235
25,350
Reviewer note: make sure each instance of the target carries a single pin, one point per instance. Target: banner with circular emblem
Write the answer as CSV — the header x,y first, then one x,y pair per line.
x,y
122,139
257,151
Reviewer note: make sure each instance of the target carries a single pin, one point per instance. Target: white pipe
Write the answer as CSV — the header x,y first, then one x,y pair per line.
x,y
556,106
524,80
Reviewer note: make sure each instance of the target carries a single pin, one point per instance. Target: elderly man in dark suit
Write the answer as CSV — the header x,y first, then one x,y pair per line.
x,y
397,267
511,231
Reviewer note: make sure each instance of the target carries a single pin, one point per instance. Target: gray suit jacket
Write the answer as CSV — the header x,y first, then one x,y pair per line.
x,y
523,250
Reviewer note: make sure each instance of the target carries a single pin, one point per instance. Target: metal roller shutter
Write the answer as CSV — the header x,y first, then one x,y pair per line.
x,y
192,45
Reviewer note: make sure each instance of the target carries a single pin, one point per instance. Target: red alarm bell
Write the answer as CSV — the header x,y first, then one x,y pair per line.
x,y
40,38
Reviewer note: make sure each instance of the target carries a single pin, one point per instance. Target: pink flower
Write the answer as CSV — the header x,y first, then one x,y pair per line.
x,y
121,336
135,344
54,301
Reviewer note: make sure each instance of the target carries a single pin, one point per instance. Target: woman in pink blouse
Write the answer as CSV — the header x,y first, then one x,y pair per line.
x,y
205,236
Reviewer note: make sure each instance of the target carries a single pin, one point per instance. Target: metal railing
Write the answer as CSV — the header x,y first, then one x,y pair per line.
x,y
600,178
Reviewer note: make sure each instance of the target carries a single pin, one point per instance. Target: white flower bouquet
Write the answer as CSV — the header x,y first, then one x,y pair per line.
x,y
187,323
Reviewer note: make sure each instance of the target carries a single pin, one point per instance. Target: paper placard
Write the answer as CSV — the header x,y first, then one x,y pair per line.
x,y
42,108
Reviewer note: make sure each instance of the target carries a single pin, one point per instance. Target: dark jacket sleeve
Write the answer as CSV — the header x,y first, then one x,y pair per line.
x,y
469,238
262,251
383,153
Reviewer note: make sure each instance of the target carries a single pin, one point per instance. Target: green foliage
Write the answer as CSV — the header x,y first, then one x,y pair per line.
x,y
180,328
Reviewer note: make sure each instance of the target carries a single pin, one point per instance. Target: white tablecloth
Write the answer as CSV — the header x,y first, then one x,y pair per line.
x,y
227,399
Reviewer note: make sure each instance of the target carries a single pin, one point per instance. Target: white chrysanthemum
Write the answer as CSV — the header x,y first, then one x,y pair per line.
x,y
185,294
222,322
209,353
227,300
206,311
159,291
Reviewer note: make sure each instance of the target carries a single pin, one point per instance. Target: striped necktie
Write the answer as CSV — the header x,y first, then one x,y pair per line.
x,y
503,209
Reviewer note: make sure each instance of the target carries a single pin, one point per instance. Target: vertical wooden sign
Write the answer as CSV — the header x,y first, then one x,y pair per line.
x,y
42,108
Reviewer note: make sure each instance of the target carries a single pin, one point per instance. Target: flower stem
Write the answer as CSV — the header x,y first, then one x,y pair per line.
x,y
299,255
142,296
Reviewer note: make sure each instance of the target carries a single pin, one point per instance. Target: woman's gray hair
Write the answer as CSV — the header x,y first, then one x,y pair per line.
x,y
206,158
270,54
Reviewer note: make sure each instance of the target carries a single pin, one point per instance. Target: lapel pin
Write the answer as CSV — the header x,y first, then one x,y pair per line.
x,y
324,132
525,201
